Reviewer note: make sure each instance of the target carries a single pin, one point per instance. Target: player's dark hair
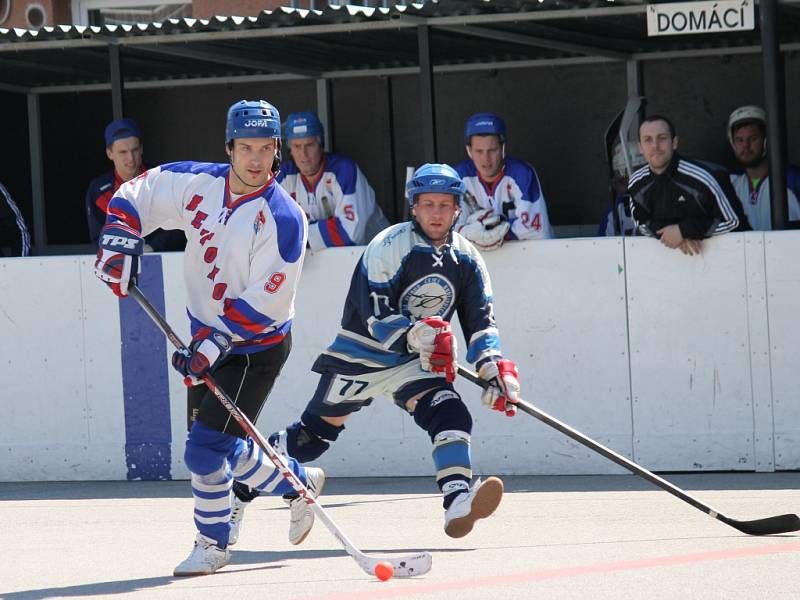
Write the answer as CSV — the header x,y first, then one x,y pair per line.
x,y
655,118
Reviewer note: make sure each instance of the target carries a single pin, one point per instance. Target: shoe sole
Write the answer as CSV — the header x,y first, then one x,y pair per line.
x,y
187,574
305,535
197,573
485,502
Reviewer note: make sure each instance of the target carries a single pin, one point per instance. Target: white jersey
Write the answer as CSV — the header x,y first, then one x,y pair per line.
x,y
515,194
757,203
340,204
243,254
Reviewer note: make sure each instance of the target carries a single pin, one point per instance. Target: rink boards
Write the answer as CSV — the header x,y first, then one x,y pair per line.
x,y
680,363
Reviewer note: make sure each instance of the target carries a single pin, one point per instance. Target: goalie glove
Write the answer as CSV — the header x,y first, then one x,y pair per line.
x,y
436,344
208,349
117,261
503,393
485,229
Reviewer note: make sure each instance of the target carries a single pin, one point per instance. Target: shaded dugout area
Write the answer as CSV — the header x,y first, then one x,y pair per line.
x,y
557,82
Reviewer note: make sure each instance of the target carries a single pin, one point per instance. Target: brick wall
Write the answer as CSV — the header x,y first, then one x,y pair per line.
x,y
56,12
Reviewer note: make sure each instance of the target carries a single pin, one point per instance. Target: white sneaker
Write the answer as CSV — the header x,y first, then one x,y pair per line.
x,y
206,558
237,514
478,503
302,516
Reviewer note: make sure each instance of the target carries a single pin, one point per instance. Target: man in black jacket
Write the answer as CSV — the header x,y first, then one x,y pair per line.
x,y
677,200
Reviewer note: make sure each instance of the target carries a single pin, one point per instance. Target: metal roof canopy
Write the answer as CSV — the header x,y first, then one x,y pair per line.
x,y
353,41
356,41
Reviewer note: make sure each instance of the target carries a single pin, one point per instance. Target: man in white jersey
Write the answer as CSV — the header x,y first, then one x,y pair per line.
x,y
747,134
330,188
246,242
504,198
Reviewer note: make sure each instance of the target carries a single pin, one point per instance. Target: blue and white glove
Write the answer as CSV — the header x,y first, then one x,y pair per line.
x,y
208,349
117,261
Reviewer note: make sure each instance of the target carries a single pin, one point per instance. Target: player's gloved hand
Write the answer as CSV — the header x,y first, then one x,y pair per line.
x,y
485,229
436,344
206,351
118,255
503,394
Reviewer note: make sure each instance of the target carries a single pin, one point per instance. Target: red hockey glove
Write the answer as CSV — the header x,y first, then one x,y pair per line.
x,y
207,350
117,261
503,394
436,344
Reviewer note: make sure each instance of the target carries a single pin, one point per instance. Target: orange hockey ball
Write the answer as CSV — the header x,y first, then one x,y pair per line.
x,y
384,571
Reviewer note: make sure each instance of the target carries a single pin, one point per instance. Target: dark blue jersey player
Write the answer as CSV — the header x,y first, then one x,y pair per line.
x,y
396,341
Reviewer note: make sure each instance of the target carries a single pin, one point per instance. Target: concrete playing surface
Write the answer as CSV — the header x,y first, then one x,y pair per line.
x,y
598,537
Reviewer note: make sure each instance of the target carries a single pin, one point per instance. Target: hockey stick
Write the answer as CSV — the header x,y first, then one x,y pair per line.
x,y
408,565
768,526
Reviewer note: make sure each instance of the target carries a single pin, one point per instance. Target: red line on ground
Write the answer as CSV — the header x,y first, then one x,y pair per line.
x,y
560,573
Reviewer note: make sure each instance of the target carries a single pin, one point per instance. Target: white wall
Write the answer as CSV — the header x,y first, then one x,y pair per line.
x,y
681,363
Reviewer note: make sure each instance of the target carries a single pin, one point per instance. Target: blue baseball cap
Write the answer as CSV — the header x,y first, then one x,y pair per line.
x,y
121,129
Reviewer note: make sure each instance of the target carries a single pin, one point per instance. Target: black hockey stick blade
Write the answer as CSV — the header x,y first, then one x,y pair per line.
x,y
768,526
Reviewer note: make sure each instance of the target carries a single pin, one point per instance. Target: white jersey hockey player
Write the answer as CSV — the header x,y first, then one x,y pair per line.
x,y
395,341
331,189
504,198
747,134
246,241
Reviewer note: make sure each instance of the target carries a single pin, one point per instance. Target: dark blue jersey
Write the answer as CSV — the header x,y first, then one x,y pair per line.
x,y
400,278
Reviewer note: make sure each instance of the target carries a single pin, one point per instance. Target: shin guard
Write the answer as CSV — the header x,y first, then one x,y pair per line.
x,y
446,419
307,439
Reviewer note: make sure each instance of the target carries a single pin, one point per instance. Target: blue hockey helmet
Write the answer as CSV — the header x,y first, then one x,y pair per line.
x,y
432,177
485,124
252,119
303,125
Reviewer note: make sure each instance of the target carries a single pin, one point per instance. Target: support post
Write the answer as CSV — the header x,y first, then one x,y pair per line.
x,y
324,111
775,105
426,91
117,82
37,175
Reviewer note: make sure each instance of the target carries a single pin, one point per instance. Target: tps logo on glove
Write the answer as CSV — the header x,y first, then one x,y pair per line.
x,y
118,240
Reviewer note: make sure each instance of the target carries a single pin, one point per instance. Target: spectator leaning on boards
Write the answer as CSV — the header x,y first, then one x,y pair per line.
x,y
677,200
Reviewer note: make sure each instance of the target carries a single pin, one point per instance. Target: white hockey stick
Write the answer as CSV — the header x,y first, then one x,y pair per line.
x,y
407,565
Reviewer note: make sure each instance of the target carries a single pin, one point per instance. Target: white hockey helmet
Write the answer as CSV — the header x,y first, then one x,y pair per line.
x,y
747,114
618,158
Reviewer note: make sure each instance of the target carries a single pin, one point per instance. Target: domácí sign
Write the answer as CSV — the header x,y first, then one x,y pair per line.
x,y
700,17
